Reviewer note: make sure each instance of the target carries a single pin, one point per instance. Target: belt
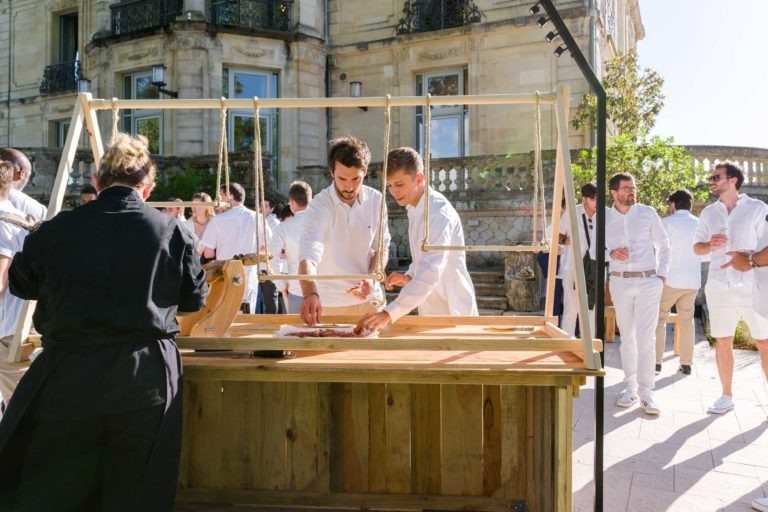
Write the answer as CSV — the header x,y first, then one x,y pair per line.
x,y
641,273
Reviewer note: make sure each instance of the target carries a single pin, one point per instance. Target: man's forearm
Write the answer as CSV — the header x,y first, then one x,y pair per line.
x,y
702,248
761,257
306,267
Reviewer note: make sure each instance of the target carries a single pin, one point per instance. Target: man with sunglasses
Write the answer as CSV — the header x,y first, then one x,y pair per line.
x,y
639,261
735,223
683,281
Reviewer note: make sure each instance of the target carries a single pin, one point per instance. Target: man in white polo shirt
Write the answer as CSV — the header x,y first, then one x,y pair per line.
x,y
639,260
339,237
683,281
735,223
234,232
287,237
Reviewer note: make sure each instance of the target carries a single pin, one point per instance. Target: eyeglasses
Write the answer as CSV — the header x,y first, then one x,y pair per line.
x,y
716,177
628,188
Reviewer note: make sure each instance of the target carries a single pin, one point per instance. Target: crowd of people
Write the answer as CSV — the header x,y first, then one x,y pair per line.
x,y
654,265
110,276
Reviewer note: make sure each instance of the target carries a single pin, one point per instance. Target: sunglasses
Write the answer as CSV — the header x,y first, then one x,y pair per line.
x,y
715,178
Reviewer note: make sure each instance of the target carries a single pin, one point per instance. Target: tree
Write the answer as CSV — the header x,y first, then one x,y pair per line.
x,y
634,97
659,168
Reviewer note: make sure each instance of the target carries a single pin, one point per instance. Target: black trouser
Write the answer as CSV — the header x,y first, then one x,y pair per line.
x,y
90,464
269,298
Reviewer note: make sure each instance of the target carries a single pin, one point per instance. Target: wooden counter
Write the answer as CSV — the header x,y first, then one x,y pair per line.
x,y
437,413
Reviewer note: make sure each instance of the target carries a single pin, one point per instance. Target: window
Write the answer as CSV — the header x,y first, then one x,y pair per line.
x,y
68,37
239,83
450,123
59,135
149,123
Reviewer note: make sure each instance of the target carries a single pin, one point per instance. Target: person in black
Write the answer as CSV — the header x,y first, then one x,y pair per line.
x,y
95,423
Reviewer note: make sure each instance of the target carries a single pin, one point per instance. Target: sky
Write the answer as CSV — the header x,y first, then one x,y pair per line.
x,y
713,56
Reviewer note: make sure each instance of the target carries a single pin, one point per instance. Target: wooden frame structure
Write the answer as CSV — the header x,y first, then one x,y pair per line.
x,y
84,116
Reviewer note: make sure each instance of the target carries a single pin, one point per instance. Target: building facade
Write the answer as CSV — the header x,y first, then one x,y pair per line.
x,y
297,48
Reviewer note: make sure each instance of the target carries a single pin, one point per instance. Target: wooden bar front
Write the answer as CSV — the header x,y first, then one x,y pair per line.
x,y
437,413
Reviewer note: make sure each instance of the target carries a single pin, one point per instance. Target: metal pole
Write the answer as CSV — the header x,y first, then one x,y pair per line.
x,y
599,92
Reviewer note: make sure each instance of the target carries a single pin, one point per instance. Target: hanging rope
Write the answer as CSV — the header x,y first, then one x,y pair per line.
x,y
258,180
115,119
539,201
427,169
223,156
379,267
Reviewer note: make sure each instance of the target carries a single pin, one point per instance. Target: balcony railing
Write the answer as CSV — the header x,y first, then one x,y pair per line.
x,y
60,77
428,15
253,14
143,15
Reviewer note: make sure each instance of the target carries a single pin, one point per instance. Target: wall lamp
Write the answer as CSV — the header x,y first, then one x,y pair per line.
x,y
356,91
158,80
551,36
560,50
536,9
542,21
83,85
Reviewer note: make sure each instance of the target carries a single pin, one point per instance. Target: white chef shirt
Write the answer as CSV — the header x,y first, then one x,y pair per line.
x,y
566,262
287,236
684,264
11,242
340,240
743,227
640,231
440,283
26,204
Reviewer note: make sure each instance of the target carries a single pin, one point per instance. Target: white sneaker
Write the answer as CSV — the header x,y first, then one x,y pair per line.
x,y
722,405
626,398
650,406
760,504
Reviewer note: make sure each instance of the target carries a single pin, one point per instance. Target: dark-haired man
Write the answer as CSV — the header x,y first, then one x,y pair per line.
x,y
586,218
340,237
639,260
734,223
233,232
87,194
683,280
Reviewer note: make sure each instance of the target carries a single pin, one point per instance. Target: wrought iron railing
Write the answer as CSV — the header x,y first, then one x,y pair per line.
x,y
253,14
143,15
428,15
60,77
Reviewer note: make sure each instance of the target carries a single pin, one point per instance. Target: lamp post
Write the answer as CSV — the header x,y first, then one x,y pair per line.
x,y
158,80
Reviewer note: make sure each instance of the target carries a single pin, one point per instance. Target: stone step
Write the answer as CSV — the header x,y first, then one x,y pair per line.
x,y
490,289
484,302
487,276
491,312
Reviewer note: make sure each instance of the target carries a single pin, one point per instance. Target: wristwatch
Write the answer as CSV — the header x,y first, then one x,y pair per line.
x,y
752,262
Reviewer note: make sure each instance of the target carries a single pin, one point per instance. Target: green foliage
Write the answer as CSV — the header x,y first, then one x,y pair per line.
x,y
634,97
659,167
184,184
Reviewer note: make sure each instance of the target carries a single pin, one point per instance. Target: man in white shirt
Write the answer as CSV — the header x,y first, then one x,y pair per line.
x,y
268,211
21,175
437,281
639,261
340,237
287,237
586,218
735,223
233,232
683,280
11,241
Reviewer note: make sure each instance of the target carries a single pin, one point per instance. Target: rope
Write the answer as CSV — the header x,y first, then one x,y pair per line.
x,y
427,169
539,201
381,250
115,119
222,154
258,166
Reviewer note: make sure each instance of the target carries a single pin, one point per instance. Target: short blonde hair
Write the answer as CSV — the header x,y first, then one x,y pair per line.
x,y
126,160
